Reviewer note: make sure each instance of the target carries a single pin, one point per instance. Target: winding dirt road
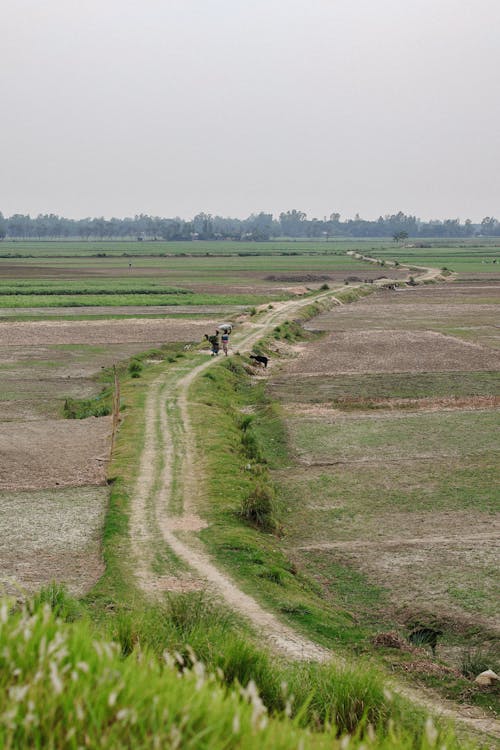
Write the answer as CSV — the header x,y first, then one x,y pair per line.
x,y
164,513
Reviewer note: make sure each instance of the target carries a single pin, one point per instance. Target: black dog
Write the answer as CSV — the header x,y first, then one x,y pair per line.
x,y
260,359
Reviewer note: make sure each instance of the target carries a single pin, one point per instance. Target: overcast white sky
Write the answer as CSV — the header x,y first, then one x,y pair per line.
x,y
170,107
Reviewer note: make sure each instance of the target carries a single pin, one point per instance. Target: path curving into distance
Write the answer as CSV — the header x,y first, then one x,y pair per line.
x,y
168,481
168,467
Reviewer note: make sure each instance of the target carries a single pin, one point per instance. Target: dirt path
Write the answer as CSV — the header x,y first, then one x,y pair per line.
x,y
168,458
164,511
425,273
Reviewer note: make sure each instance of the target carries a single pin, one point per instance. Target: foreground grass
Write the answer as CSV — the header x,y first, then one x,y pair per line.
x,y
62,686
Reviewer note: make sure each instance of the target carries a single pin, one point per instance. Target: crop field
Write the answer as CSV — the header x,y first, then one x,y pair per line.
x,y
173,281
392,422
388,435
65,248
472,259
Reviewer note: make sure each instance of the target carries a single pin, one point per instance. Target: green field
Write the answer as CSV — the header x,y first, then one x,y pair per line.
x,y
62,248
80,280
461,256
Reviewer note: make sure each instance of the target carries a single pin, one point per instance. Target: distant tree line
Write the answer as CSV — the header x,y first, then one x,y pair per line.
x,y
258,227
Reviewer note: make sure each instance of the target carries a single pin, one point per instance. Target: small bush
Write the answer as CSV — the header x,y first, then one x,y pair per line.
x,y
324,287
259,508
83,408
135,368
275,575
245,422
251,445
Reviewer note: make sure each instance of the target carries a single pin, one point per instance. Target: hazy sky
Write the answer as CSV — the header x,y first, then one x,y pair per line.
x,y
170,107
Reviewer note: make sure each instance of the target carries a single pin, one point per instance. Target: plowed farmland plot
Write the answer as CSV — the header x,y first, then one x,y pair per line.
x,y
394,443
470,312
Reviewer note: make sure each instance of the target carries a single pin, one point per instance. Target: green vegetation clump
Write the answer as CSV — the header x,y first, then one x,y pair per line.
x,y
289,331
135,368
100,406
63,685
259,507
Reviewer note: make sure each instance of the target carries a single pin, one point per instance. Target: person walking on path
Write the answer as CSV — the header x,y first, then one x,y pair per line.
x,y
214,342
224,340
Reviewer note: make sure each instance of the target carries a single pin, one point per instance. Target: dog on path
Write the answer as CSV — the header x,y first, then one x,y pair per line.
x,y
260,359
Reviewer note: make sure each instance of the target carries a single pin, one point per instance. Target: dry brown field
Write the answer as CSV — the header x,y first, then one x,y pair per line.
x,y
393,433
53,491
142,332
51,534
379,350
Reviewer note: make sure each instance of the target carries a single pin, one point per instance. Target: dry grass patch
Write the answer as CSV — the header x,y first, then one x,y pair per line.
x,y
394,436
51,535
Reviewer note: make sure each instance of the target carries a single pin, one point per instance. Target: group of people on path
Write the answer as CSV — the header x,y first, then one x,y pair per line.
x,y
220,338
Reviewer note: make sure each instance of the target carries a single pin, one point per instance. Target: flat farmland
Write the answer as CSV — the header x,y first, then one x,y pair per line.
x,y
391,351
471,259
171,282
53,492
392,425
132,248
51,465
470,312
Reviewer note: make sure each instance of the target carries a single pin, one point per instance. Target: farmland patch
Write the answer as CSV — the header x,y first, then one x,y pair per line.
x,y
373,351
390,503
51,535
371,389
144,332
394,436
48,453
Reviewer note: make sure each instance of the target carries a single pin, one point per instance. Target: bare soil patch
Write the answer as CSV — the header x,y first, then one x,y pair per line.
x,y
49,453
126,310
145,332
390,351
51,535
406,315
